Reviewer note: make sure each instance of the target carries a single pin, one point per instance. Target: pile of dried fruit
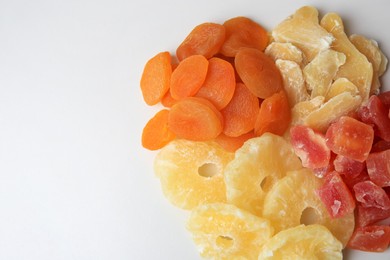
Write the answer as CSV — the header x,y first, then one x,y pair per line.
x,y
278,143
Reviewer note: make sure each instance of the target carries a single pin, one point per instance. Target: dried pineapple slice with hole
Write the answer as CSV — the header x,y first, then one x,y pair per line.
x,y
284,51
293,201
374,55
341,85
337,106
191,173
303,30
302,243
256,167
294,82
223,231
357,68
319,73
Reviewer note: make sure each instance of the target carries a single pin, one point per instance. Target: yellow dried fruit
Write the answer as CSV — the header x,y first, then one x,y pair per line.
x,y
337,106
302,242
378,60
284,51
302,109
256,167
341,85
294,197
293,81
319,73
356,68
223,231
303,30
191,173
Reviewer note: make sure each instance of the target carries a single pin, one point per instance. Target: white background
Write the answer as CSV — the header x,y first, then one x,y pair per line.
x,y
75,182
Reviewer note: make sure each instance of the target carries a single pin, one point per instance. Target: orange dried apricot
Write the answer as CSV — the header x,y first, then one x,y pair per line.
x,y
156,133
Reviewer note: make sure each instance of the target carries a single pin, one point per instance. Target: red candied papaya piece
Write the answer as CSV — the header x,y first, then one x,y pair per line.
x,y
243,32
380,146
385,98
369,215
378,167
205,39
310,147
258,72
155,79
371,195
377,114
370,239
348,166
350,137
241,112
336,196
219,84
188,77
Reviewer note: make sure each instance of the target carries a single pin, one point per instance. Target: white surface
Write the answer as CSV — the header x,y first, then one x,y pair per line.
x,y
74,180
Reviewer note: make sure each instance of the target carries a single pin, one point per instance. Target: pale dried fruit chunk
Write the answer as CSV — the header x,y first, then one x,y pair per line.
x,y
356,68
335,107
378,60
257,166
284,51
303,30
294,198
302,242
319,73
191,173
223,231
302,109
341,85
293,81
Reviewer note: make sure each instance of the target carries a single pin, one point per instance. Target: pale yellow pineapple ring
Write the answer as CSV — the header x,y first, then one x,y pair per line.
x,y
185,168
303,243
223,231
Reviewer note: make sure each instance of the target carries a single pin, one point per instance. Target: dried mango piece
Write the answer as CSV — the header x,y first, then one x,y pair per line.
x,y
357,68
223,231
303,30
335,107
377,58
284,51
341,85
294,82
320,72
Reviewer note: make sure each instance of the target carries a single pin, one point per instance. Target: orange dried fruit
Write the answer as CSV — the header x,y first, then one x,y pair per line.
x,y
223,231
357,68
192,173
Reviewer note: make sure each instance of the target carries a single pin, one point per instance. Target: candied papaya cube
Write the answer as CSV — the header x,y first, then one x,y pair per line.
x,y
367,216
351,138
310,147
371,195
376,113
370,239
378,167
345,165
336,196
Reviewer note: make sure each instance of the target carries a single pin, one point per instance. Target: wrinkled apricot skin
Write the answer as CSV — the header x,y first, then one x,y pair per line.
x,y
156,77
188,77
205,39
258,72
195,119
243,32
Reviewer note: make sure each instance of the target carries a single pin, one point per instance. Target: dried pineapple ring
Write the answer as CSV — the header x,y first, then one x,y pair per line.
x,y
191,173
302,242
294,200
303,30
223,231
257,165
357,68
